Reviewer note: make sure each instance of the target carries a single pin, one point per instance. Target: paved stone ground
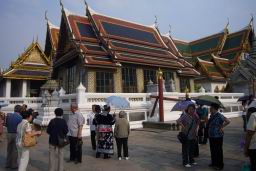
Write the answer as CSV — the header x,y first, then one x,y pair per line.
x,y
150,150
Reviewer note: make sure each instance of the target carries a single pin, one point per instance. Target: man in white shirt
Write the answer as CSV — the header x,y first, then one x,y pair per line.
x,y
90,118
75,126
250,141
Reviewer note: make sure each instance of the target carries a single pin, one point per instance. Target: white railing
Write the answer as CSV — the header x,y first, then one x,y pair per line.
x,y
141,105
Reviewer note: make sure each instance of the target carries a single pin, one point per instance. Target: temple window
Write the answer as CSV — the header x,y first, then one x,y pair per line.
x,y
149,75
168,75
104,82
129,80
71,75
83,77
184,83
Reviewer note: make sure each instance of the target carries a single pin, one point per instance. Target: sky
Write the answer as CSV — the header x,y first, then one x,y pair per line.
x,y
21,21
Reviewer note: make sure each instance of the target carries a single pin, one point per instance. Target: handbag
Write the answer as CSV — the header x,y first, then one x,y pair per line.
x,y
62,142
182,137
28,140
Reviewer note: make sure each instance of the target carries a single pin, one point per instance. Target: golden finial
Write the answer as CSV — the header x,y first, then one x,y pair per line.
x,y
159,74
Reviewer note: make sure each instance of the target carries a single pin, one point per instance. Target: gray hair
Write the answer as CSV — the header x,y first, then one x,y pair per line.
x,y
122,114
17,108
74,105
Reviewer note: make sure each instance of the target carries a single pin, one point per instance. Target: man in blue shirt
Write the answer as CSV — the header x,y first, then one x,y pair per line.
x,y
12,121
215,127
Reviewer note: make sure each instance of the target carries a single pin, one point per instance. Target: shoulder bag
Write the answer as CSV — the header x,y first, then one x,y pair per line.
x,y
182,137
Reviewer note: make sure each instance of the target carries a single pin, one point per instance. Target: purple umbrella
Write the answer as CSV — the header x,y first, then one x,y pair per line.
x,y
182,105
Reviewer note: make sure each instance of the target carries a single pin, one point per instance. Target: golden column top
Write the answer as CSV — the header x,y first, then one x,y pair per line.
x,y
159,74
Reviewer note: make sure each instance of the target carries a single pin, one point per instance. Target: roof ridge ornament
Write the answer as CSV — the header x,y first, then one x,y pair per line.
x,y
156,22
45,16
226,27
61,4
251,21
170,30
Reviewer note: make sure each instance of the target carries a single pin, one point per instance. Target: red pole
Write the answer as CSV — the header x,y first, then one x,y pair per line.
x,y
161,96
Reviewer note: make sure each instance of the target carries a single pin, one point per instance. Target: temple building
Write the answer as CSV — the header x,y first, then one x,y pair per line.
x,y
107,54
217,56
243,79
26,75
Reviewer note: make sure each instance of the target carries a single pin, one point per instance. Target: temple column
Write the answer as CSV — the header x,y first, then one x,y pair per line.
x,y
8,85
177,82
91,82
192,85
140,80
24,88
118,81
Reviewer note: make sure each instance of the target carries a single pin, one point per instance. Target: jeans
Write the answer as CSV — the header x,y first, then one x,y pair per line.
x,y
23,154
12,153
75,149
216,151
244,122
122,142
93,139
188,151
56,158
202,133
252,156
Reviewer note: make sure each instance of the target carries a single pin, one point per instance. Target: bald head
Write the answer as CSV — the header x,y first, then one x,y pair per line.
x,y
73,107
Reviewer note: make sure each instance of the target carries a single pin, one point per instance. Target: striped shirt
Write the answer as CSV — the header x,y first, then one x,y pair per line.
x,y
189,121
74,122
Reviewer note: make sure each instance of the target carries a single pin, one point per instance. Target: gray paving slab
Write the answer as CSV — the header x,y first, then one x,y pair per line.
x,y
150,150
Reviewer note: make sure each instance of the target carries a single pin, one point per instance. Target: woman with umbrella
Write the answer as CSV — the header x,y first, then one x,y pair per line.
x,y
189,123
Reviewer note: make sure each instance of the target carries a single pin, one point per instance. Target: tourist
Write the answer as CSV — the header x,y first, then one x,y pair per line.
x,y
24,127
250,100
2,122
203,116
250,140
189,123
90,118
104,122
12,121
56,129
215,127
75,126
244,110
121,132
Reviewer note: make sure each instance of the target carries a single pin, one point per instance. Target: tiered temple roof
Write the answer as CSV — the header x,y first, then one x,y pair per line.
x,y
104,41
51,43
33,64
216,56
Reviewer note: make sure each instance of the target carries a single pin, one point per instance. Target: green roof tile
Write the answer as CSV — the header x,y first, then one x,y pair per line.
x,y
230,56
233,41
183,48
207,57
208,44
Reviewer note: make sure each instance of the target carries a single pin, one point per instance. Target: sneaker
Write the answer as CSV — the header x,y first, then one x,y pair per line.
x,y
126,158
194,163
119,158
187,165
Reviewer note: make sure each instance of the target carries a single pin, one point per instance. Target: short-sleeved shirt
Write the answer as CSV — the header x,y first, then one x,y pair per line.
x,y
202,113
22,128
90,117
74,122
215,123
12,121
251,125
189,121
